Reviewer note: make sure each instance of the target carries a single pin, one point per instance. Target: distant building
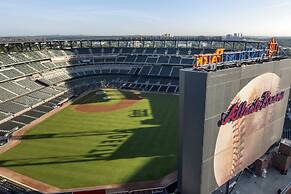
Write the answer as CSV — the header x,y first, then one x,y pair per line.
x,y
234,36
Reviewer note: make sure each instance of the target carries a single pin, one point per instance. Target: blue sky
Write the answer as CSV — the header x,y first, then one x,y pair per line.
x,y
147,17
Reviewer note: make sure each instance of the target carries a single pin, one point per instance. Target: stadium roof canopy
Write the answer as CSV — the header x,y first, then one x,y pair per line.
x,y
8,44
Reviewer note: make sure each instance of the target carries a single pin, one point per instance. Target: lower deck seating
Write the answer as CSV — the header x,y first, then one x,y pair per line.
x,y
3,116
27,117
3,78
34,113
39,95
15,88
10,125
9,187
44,108
6,95
27,101
11,107
23,119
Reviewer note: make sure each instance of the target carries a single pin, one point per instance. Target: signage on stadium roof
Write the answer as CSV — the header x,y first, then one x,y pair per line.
x,y
273,48
241,109
204,59
248,55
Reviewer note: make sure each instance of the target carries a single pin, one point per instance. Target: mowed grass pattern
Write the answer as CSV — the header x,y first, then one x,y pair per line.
x,y
73,149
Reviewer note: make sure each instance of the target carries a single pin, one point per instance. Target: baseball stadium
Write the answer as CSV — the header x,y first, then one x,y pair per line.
x,y
102,115
145,97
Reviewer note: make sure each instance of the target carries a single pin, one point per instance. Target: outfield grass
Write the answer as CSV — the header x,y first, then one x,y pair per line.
x,y
73,149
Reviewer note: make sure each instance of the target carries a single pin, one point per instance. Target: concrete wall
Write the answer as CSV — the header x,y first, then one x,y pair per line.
x,y
203,97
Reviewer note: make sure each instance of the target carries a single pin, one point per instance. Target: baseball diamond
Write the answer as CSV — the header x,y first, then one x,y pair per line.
x,y
74,148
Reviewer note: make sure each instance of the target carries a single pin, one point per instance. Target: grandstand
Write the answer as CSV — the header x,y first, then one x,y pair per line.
x,y
29,81
7,187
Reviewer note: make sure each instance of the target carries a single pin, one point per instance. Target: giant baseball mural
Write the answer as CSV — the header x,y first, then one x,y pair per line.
x,y
240,139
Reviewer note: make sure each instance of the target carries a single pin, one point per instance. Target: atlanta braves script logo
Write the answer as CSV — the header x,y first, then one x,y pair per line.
x,y
241,109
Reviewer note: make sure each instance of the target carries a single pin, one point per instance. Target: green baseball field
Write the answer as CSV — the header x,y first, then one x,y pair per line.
x,y
105,137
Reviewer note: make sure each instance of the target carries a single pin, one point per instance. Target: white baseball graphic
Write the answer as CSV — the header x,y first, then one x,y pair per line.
x,y
239,143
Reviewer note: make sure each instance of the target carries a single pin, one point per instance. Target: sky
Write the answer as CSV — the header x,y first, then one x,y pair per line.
x,y
145,17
